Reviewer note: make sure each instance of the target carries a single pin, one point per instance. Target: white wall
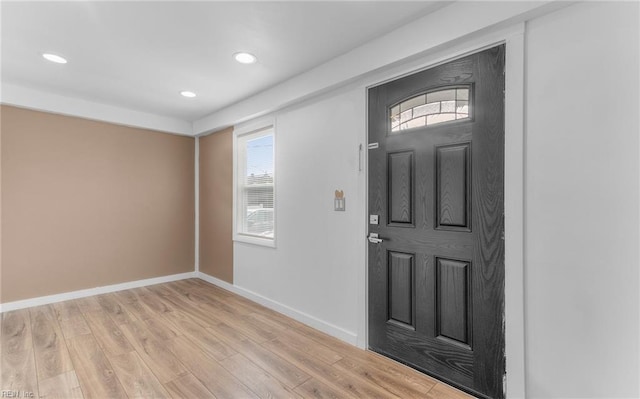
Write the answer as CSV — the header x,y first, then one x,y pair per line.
x,y
581,236
581,198
314,267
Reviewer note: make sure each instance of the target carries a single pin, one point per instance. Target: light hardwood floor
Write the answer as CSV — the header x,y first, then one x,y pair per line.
x,y
190,339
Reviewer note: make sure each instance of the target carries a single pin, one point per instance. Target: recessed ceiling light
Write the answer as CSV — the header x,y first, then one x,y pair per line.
x,y
245,58
187,93
54,58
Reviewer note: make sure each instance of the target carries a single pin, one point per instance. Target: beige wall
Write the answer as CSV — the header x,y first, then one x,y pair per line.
x,y
88,204
216,204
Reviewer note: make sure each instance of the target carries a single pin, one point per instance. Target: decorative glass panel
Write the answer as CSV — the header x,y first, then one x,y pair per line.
x,y
442,95
412,103
430,109
405,116
448,106
427,109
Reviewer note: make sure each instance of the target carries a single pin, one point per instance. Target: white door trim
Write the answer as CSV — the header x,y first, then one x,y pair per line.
x,y
513,37
514,216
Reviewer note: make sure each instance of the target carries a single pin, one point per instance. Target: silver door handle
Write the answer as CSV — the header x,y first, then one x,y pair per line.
x,y
373,237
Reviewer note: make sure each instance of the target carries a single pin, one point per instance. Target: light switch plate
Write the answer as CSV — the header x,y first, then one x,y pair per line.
x,y
339,201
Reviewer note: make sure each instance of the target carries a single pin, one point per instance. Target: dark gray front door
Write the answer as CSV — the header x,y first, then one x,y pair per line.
x,y
436,184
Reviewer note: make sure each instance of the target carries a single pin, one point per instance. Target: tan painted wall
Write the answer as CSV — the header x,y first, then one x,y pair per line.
x,y
216,204
88,204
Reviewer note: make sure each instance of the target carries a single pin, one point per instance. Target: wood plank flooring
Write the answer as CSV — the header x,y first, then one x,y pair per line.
x,y
189,339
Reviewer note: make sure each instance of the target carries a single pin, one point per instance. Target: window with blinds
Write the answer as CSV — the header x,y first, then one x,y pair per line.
x,y
255,176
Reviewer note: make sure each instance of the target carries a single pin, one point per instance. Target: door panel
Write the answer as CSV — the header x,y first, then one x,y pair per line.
x,y
436,180
453,301
400,174
401,293
453,187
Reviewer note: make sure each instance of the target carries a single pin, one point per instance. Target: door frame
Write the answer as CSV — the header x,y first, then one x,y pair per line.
x,y
514,186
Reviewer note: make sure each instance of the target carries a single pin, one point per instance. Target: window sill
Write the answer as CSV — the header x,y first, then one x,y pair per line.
x,y
255,240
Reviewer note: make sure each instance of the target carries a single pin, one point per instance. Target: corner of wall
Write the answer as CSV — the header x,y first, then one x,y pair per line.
x,y
215,204
196,166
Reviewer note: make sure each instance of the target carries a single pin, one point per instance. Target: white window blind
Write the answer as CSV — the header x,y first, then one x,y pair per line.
x,y
255,197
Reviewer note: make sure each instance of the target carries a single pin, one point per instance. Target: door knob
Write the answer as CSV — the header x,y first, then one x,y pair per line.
x,y
373,237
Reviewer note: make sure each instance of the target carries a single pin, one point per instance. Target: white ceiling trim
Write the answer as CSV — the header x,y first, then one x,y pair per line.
x,y
441,27
44,101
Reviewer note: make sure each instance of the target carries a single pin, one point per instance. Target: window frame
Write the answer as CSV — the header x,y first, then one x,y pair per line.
x,y
257,129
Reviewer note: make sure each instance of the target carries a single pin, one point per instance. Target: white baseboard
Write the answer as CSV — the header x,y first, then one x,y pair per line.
x,y
45,300
302,317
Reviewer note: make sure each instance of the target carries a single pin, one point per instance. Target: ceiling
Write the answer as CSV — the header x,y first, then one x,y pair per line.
x,y
141,55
